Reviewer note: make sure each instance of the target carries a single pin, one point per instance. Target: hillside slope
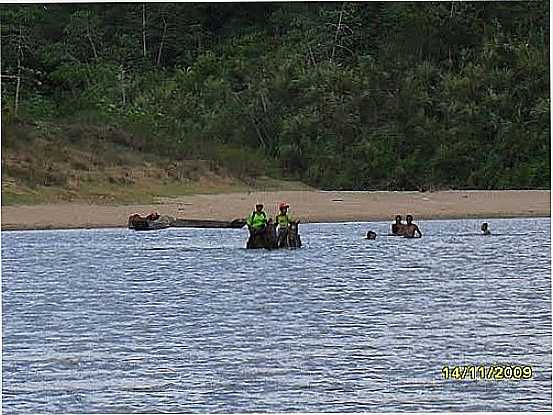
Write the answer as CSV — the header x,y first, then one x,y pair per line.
x,y
53,162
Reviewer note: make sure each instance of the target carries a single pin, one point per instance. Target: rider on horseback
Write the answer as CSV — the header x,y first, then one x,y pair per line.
x,y
257,225
257,220
282,220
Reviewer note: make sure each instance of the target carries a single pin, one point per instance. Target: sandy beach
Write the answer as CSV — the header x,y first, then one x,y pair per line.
x,y
309,206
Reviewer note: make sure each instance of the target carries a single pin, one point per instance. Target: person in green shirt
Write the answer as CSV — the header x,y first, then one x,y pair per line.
x,y
282,220
257,220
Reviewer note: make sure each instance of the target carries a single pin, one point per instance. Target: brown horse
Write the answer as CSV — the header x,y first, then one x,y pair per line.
x,y
292,237
263,238
267,237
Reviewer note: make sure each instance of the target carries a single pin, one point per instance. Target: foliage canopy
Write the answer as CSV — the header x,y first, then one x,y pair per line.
x,y
361,95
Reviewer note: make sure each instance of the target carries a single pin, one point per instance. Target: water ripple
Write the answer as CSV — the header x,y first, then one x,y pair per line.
x,y
187,320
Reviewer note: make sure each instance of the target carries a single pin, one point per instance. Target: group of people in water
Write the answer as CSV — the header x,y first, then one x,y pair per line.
x,y
410,230
258,220
407,230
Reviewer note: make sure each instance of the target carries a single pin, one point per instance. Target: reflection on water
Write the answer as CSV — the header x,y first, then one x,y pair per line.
x,y
188,320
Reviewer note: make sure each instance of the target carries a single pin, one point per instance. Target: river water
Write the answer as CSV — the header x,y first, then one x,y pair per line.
x,y
187,320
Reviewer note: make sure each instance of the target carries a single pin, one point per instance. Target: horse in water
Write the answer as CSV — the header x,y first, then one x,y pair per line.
x,y
292,237
264,238
267,238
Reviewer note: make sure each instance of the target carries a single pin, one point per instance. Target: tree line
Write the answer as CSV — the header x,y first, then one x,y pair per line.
x,y
348,95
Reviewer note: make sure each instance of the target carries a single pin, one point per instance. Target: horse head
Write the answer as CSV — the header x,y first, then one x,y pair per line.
x,y
271,235
293,237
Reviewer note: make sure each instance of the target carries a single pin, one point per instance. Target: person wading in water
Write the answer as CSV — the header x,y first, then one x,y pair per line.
x,y
484,229
410,228
397,228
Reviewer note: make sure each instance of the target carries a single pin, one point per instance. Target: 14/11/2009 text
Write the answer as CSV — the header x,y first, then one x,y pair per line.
x,y
514,372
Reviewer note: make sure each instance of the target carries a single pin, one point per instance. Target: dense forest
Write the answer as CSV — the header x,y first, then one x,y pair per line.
x,y
349,95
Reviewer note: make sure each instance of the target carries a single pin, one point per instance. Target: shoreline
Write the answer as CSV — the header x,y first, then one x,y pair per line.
x,y
308,206
17,228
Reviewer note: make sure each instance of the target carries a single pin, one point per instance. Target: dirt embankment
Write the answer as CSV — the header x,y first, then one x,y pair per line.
x,y
47,162
51,163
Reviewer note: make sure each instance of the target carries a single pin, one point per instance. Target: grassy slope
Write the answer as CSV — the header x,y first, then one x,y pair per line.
x,y
53,162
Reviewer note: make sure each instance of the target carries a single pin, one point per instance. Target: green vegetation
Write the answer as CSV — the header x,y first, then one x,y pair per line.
x,y
364,96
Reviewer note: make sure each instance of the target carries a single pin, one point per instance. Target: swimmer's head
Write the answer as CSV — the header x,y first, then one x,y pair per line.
x,y
398,219
371,235
409,219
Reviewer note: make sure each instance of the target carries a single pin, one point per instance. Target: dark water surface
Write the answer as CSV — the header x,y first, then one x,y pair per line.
x,y
187,320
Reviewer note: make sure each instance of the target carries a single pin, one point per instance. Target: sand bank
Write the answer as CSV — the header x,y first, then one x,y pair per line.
x,y
309,206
